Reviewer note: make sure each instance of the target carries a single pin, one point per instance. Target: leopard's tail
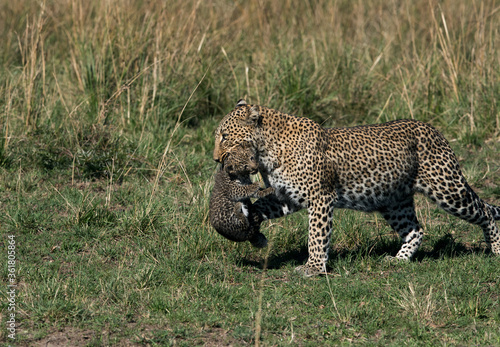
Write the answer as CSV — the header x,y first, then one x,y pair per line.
x,y
495,210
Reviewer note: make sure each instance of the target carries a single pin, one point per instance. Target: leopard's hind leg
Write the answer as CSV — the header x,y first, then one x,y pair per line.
x,y
456,197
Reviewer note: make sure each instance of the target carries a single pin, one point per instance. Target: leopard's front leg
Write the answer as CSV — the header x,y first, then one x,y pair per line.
x,y
320,230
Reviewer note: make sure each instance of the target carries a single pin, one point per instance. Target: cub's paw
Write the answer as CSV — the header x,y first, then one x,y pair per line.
x,y
310,271
265,192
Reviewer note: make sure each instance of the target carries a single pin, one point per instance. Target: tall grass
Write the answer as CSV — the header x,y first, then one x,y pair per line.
x,y
73,72
132,65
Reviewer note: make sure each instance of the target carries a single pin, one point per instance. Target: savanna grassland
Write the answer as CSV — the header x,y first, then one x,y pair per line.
x,y
107,114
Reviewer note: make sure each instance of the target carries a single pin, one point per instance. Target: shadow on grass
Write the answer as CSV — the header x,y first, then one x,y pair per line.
x,y
447,247
277,261
444,247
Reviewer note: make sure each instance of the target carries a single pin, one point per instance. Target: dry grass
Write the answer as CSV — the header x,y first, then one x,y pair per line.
x,y
127,61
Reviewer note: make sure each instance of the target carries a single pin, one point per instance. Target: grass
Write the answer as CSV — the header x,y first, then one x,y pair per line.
x,y
107,118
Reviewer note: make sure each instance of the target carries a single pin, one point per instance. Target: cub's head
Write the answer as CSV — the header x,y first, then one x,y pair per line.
x,y
241,160
235,128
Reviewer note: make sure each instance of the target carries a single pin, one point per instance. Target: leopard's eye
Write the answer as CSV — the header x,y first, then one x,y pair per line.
x,y
223,138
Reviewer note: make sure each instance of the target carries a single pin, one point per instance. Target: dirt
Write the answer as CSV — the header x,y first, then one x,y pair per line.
x,y
69,337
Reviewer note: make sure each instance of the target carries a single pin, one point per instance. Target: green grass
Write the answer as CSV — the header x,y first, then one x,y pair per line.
x,y
107,114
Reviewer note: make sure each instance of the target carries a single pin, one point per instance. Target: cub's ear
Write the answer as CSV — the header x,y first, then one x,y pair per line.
x,y
241,102
253,116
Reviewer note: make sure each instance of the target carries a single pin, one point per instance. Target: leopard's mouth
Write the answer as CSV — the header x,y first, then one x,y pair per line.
x,y
254,171
223,157
222,161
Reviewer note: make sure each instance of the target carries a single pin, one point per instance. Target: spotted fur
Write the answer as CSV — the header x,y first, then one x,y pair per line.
x,y
368,168
230,206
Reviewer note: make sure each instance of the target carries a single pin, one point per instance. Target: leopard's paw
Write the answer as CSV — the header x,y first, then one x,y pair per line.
x,y
310,271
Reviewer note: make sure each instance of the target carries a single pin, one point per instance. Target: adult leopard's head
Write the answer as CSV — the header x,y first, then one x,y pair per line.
x,y
236,128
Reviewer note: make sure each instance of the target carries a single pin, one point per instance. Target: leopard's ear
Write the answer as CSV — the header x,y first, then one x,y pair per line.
x,y
254,116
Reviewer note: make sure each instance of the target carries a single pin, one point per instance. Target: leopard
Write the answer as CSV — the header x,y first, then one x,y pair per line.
x,y
230,207
371,168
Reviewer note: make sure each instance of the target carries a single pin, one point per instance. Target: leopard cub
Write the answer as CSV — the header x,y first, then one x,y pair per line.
x,y
231,212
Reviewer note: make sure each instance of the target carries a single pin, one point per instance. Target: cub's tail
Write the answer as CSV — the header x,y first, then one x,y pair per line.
x,y
495,210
